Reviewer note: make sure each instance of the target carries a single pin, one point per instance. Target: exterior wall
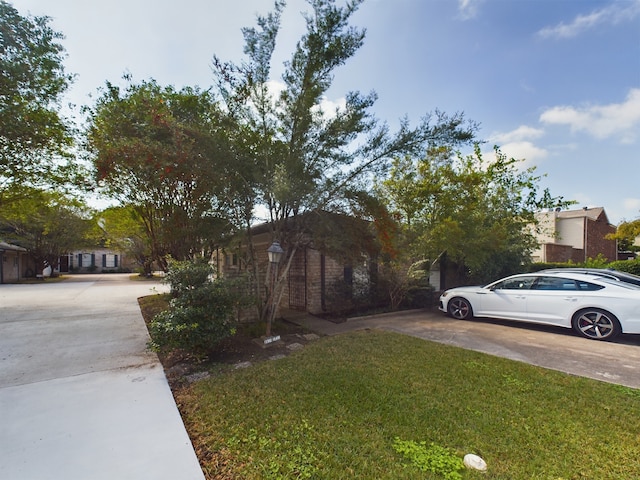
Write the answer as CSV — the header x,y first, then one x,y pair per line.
x,y
547,227
308,283
317,282
574,236
96,261
15,263
597,243
562,253
571,232
12,266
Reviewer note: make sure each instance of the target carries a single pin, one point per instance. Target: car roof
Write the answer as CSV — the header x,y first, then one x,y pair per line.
x,y
603,272
574,275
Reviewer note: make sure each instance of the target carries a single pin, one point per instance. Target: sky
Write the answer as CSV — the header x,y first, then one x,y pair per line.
x,y
553,82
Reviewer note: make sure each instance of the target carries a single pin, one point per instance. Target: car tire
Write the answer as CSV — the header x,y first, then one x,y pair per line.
x,y
596,324
459,308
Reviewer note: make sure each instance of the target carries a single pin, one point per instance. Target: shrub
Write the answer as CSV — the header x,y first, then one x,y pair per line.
x,y
201,312
629,266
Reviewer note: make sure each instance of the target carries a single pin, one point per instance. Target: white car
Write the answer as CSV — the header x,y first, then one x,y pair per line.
x,y
595,307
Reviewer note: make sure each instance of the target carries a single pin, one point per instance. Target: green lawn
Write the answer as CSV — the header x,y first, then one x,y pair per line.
x,y
334,410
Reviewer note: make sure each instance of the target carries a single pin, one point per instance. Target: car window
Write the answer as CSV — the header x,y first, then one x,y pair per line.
x,y
619,284
555,283
589,286
518,283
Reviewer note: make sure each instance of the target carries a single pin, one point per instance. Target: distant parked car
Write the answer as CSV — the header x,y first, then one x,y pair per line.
x,y
603,272
595,306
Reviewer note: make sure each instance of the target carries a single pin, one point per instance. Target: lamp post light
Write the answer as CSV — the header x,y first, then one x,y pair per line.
x,y
275,253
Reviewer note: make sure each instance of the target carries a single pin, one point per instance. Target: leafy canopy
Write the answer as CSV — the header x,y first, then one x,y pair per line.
x,y
161,151
33,135
478,212
47,224
294,158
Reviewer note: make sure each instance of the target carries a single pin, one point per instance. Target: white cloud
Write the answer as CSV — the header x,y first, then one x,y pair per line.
x,y
524,150
519,144
612,14
328,107
620,120
523,132
468,9
632,204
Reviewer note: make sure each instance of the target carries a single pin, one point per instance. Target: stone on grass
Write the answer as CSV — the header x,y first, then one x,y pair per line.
x,y
474,462
194,377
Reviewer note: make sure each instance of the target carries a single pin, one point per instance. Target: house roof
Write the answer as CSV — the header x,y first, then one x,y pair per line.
x,y
592,213
8,246
595,214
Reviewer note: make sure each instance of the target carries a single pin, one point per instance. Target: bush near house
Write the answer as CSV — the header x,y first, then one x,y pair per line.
x,y
202,310
629,266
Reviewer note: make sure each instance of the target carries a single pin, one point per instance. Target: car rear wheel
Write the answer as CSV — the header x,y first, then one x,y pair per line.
x,y
596,324
459,308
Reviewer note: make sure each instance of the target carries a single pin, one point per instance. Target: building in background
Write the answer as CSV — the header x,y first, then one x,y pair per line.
x,y
574,235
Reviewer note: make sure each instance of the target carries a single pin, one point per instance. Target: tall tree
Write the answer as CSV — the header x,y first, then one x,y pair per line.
x,y
47,224
627,235
33,135
479,212
121,228
161,151
298,158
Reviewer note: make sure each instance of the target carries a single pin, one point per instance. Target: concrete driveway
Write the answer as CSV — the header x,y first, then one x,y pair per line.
x,y
80,395
550,347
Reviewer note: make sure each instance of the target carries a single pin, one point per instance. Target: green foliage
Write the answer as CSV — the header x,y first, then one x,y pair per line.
x,y
626,234
294,157
430,458
599,262
122,228
630,266
165,153
201,312
361,390
405,285
33,135
479,212
279,455
47,224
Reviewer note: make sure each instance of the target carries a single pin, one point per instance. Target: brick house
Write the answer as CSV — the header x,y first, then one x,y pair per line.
x,y
574,235
318,269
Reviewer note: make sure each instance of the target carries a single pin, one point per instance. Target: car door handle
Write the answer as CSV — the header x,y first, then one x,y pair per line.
x,y
570,299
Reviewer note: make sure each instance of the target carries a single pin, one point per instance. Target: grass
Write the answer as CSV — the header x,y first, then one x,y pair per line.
x,y
336,409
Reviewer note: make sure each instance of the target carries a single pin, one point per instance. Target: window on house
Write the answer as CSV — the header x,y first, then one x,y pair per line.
x,y
231,260
109,260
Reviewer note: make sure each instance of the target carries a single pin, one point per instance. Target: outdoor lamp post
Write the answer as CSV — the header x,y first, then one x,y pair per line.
x,y
275,253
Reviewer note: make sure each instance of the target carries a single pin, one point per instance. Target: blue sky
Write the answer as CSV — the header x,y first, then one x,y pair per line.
x,y
555,82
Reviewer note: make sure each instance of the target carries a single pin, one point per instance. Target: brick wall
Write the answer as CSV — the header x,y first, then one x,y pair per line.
x,y
596,241
562,253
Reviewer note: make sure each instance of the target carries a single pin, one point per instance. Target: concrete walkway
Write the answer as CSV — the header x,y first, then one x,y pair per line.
x,y
81,397
549,347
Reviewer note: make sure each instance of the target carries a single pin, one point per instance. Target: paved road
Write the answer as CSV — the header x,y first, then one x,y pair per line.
x,y
80,395
549,347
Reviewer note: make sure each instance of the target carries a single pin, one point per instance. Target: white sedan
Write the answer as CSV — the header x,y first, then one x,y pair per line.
x,y
595,307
